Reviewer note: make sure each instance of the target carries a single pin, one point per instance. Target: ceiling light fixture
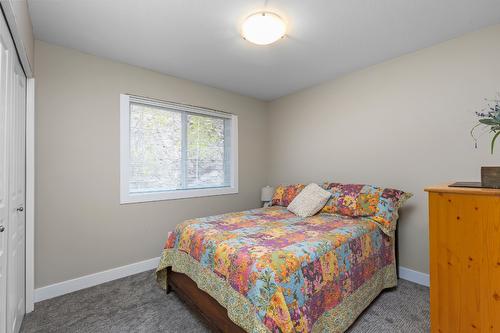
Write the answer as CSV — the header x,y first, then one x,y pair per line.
x,y
263,28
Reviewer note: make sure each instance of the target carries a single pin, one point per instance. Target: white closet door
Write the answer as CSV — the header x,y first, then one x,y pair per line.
x,y
17,231
12,185
6,70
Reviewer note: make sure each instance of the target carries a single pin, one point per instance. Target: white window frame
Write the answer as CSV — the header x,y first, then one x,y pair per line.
x,y
126,197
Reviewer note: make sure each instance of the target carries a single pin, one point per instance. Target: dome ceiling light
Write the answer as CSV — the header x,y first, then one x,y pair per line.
x,y
263,28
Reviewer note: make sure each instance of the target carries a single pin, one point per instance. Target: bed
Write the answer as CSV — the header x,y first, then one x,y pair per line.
x,y
268,270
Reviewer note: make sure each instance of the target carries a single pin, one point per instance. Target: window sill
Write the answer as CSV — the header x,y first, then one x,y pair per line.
x,y
127,198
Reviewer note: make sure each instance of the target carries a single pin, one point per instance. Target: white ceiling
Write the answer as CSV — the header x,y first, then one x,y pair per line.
x,y
199,39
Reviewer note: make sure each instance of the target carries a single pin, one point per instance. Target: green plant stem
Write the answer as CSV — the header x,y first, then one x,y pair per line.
x,y
493,141
472,131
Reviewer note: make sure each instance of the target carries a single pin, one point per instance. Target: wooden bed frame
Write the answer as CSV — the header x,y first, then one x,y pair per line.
x,y
214,314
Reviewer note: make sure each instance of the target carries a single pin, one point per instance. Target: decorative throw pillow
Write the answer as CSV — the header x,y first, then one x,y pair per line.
x,y
356,200
387,210
352,199
284,194
309,201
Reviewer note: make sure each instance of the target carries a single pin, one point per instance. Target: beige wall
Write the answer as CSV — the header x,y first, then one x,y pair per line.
x,y
80,226
403,124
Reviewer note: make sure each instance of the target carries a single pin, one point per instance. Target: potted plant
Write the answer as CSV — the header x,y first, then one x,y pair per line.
x,y
489,122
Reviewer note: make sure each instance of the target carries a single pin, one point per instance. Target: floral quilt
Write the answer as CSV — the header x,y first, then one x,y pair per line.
x,y
277,272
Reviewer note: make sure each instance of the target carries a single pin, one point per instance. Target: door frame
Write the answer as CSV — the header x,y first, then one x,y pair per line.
x,y
30,195
8,11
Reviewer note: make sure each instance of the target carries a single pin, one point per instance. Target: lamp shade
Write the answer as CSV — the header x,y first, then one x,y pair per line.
x,y
263,28
266,193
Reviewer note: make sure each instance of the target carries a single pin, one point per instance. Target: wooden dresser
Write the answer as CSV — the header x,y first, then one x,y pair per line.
x,y
464,228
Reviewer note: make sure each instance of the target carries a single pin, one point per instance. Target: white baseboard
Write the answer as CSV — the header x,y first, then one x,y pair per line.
x,y
69,286
414,276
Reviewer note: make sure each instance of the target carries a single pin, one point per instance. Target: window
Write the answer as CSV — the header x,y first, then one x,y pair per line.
x,y
173,151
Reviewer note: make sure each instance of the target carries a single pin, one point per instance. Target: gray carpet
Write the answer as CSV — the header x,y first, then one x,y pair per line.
x,y
136,304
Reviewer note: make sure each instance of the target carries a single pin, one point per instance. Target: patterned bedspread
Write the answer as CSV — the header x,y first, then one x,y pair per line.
x,y
275,271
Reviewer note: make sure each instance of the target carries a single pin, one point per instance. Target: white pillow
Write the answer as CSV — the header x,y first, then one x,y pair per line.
x,y
309,201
